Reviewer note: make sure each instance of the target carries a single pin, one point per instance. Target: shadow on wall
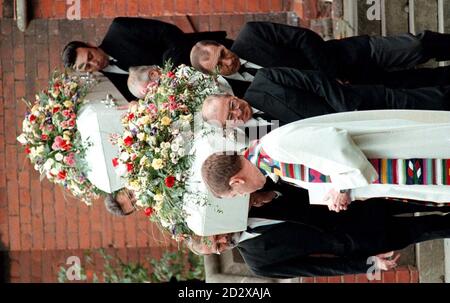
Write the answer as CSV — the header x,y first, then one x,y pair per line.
x,y
4,264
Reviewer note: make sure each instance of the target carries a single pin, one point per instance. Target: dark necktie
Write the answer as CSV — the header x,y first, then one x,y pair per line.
x,y
251,71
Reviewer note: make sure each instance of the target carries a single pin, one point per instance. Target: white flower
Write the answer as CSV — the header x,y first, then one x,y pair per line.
x,y
124,156
157,149
172,155
59,157
22,139
174,161
175,147
121,169
181,152
49,164
141,136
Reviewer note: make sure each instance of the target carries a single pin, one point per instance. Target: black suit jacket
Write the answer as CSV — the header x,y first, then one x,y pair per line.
x,y
278,45
317,242
139,41
288,95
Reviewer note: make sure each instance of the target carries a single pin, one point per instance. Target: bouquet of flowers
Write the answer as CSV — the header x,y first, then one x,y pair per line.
x,y
154,150
51,139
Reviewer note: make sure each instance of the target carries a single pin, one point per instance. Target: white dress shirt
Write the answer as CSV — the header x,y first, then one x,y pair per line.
x,y
253,223
244,76
112,68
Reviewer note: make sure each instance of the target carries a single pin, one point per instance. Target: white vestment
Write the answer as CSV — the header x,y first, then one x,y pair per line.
x,y
341,150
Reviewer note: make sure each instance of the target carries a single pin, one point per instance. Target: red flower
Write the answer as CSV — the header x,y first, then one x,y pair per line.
x,y
148,211
129,167
32,118
27,150
62,175
172,98
128,141
170,74
130,116
170,181
55,109
44,137
115,162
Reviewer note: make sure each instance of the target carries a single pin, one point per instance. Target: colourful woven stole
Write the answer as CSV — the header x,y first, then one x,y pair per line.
x,y
390,171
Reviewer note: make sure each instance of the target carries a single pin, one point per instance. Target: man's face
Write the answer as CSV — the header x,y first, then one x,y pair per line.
x,y
127,200
248,180
90,59
229,111
225,61
217,244
145,77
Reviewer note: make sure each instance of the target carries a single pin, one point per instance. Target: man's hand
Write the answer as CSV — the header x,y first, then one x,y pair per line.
x,y
127,106
258,199
386,261
337,201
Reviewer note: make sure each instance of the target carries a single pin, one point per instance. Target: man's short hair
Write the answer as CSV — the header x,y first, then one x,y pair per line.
x,y
137,76
198,53
208,101
69,54
113,206
218,169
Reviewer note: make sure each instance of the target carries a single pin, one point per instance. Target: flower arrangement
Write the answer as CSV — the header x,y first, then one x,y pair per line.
x,y
154,149
50,136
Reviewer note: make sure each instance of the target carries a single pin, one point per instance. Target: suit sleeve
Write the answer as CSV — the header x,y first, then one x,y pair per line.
x,y
316,85
150,31
314,267
306,41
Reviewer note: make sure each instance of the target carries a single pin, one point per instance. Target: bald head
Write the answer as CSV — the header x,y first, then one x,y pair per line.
x,y
210,57
226,110
140,77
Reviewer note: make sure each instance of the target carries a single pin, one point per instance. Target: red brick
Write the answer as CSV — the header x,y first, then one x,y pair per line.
x,y
180,7
402,275
414,275
228,6
14,266
96,8
168,7
19,87
145,8
277,6
49,240
253,6
321,280
38,232
85,9
25,266
361,278
217,6
96,240
130,229
121,7
43,71
59,9
14,232
19,54
84,227
388,276
265,5
61,225
8,90
307,280
142,236
132,7
193,7
44,8
36,266
72,240
109,8
36,200
119,238
205,7
26,240
349,279
337,279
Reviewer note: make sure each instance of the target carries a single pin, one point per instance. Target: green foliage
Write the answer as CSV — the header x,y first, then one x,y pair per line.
x,y
182,265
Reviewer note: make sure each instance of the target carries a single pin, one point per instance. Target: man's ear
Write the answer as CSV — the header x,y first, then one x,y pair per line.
x,y
235,180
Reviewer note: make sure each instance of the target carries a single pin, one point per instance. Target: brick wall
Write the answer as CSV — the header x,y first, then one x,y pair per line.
x,y
39,225
109,8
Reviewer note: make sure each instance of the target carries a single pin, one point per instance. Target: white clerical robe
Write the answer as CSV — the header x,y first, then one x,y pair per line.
x,y
342,149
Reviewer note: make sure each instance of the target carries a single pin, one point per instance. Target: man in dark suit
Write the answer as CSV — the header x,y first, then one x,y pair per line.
x,y
288,95
312,241
135,42
359,60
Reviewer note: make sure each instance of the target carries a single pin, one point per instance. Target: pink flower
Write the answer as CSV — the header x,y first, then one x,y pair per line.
x,y
60,144
171,98
66,113
70,159
170,74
